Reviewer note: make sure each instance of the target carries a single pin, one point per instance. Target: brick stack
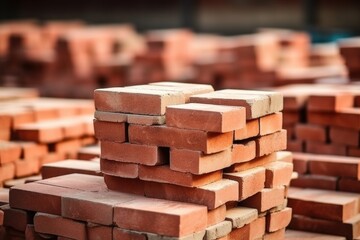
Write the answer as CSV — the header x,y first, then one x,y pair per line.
x,y
350,51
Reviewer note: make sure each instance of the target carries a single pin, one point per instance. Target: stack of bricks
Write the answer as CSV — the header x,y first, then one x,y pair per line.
x,y
350,51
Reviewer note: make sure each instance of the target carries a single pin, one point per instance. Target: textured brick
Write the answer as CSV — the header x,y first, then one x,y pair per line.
x,y
271,123
257,162
127,152
252,230
250,181
110,131
95,232
111,116
119,169
162,217
343,136
16,218
353,152
164,174
278,174
251,129
70,166
216,215
196,162
298,235
206,117
315,181
123,234
278,220
271,143
330,101
218,230
126,185
265,199
243,152
240,216
310,132
180,138
146,119
9,152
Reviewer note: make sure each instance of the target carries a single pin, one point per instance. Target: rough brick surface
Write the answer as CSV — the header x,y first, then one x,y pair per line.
x,y
271,123
240,216
243,152
257,162
251,129
110,131
278,220
278,174
119,169
271,143
218,230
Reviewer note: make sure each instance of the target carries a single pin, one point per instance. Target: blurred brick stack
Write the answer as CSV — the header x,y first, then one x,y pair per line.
x,y
350,51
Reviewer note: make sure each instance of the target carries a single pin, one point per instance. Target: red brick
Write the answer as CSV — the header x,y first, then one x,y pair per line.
x,y
251,129
212,195
323,204
126,185
243,152
315,181
110,131
257,162
250,181
218,230
265,199
180,138
16,218
65,167
252,230
278,220
9,152
271,123
119,169
111,116
311,132
216,215
18,116
57,225
161,217
278,174
349,118
353,152
26,167
206,117
88,152
290,118
145,119
52,157
330,101
95,232
43,132
278,235
127,152
298,235
240,216
31,150
165,175
323,148
343,136
123,234
4,196
197,162
349,185
300,161
295,146
31,234
75,127
7,171
68,148
131,100
271,143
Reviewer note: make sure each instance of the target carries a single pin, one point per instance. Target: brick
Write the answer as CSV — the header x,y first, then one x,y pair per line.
x,y
315,181
95,232
330,101
57,225
348,229
217,231
343,136
206,117
68,147
52,157
196,162
311,132
295,146
110,131
271,123
271,143
31,234
194,236
278,220
31,150
111,116
252,230
16,218
297,235
290,118
18,116
284,156
125,185
9,152
323,148
349,118
70,166
300,161
26,167
94,207
278,174
279,234
129,153
323,204
251,129
161,217
119,169
43,132
257,103
180,138
146,119
211,195
265,199
164,174
250,181
4,196
123,234
7,171
243,152
88,152
240,216
216,215
353,152
257,162
131,100
349,185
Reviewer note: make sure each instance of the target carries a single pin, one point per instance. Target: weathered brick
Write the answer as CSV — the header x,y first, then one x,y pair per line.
x,y
70,166
278,174
278,220
265,199
271,143
251,129
271,123
119,169
243,152
110,131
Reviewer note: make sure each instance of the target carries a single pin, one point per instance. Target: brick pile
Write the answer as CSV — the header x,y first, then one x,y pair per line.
x,y
350,51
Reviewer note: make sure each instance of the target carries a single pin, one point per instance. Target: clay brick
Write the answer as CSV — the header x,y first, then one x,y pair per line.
x,y
265,199
125,185
253,230
180,138
311,132
330,101
164,174
111,116
216,215
88,152
110,131
123,234
70,166
43,132
323,148
194,236
250,181
206,117
284,156
315,181
243,152
16,218
212,195
290,118
257,162
68,148
146,119
127,152
349,185
271,143
271,123
251,129
217,231
31,150
9,152
349,118
197,162
353,151
278,220
18,116
52,157
343,136
7,171
297,235
57,225
119,169
95,232
240,216
279,234
94,207
323,204
4,196
348,229
278,174
295,146
131,100
161,217
26,167
257,103
300,161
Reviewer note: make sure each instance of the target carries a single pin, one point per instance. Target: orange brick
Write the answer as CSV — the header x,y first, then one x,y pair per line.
x,y
145,119
315,181
31,150
265,199
257,162
343,136
70,166
219,230
9,152
197,162
110,131
43,132
243,152
250,130
271,123
295,146
330,101
347,118
110,116
94,231
7,171
206,117
26,167
278,174
180,138
278,220
126,185
216,215
279,234
123,234
311,132
67,148
271,143
119,169
241,216
323,148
